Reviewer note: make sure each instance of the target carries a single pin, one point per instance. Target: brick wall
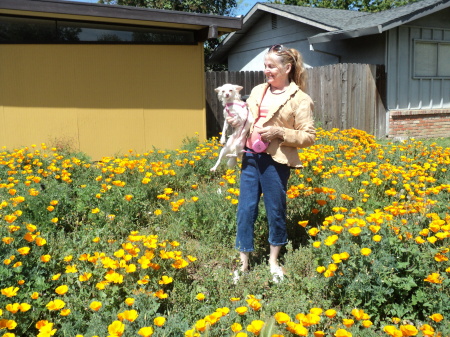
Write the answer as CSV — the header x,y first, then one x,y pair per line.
x,y
431,123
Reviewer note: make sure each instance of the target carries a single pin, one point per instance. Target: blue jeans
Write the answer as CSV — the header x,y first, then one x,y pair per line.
x,y
261,175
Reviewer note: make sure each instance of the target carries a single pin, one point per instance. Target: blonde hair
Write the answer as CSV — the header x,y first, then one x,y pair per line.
x,y
294,57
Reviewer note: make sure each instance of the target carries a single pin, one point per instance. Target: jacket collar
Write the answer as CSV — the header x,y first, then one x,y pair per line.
x,y
259,94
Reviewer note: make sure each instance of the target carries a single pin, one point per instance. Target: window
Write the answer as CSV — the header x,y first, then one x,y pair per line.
x,y
30,30
431,59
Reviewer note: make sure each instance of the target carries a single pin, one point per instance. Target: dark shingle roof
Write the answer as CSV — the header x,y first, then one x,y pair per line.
x,y
371,23
330,17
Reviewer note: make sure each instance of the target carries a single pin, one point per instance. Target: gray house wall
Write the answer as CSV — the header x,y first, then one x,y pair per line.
x,y
248,53
367,49
404,90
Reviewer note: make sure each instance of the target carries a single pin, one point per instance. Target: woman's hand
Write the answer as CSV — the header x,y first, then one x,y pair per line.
x,y
269,133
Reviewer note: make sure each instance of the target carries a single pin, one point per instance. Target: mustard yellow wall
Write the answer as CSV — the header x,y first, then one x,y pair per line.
x,y
104,99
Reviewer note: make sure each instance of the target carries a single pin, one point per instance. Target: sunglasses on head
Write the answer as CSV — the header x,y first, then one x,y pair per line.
x,y
276,48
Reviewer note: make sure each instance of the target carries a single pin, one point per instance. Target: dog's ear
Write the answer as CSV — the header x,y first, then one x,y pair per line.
x,y
217,89
239,88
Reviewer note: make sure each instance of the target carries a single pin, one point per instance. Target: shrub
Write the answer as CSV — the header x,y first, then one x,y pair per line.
x,y
144,243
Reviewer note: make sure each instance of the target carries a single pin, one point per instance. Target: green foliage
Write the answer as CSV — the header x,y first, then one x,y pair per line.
x,y
368,226
219,7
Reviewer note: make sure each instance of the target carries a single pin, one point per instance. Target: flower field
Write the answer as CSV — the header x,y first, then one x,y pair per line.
x,y
143,244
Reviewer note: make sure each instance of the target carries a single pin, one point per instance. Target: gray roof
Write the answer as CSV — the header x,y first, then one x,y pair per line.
x,y
334,18
382,21
335,23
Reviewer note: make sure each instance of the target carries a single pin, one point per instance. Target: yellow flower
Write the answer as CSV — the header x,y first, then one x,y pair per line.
x,y
392,331
343,333
180,264
255,326
71,269
201,325
84,277
116,329
235,327
241,310
331,240
95,210
366,323
313,231
24,250
13,307
128,197
54,220
7,240
159,321
56,305
129,315
145,331
65,312
40,241
330,313
366,251
281,317
161,294
95,305
320,269
61,290
355,231
303,223
316,311
129,301
437,317
319,333
157,212
200,297
166,280
316,244
434,278
35,295
408,330
10,292
377,238
56,277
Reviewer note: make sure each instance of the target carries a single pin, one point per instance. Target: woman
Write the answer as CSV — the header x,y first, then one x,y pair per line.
x,y
284,121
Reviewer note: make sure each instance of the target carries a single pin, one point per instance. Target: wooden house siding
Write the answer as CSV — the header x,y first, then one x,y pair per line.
x,y
404,90
248,54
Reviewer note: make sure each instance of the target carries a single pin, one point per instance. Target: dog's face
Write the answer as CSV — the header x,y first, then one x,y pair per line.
x,y
228,92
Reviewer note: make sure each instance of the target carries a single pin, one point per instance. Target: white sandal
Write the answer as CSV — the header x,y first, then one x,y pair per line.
x,y
277,273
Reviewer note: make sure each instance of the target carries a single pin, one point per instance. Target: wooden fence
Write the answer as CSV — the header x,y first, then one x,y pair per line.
x,y
345,96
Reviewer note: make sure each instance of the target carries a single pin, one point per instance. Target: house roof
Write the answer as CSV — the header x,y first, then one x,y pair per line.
x,y
371,23
336,23
215,25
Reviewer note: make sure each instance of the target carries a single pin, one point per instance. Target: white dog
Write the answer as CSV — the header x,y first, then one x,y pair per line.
x,y
235,108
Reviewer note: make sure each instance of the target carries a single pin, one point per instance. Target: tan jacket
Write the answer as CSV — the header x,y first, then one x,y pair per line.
x,y
294,115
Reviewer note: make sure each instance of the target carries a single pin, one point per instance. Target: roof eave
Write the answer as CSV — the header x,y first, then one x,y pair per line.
x,y
344,34
196,21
